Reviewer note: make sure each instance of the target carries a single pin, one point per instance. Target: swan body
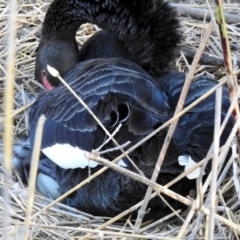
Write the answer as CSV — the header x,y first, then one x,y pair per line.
x,y
119,91
121,78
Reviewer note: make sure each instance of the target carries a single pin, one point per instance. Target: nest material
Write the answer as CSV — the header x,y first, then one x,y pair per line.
x,y
63,222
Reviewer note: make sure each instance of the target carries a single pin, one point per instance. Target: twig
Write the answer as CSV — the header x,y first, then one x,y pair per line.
x,y
33,173
221,157
101,233
236,178
169,206
206,58
200,14
158,222
173,125
16,112
216,144
136,206
226,119
8,138
24,102
113,149
159,188
185,224
227,211
232,82
223,153
223,174
225,46
109,138
55,73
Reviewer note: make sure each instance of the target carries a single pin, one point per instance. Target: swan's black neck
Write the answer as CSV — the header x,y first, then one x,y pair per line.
x,y
60,21
148,29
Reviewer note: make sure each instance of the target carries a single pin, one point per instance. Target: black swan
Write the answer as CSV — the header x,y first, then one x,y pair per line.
x,y
148,32
116,95
118,91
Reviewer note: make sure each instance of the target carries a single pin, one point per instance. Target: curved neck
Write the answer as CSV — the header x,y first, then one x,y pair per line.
x,y
148,29
61,22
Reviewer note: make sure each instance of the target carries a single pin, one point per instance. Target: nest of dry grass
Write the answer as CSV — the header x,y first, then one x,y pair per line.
x,y
63,222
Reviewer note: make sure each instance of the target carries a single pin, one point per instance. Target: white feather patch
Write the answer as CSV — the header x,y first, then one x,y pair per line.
x,y
67,156
122,163
188,162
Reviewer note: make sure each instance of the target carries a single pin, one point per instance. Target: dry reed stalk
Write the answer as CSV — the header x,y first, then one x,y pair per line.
x,y
216,145
158,222
101,233
158,188
233,103
227,210
186,223
222,127
232,82
173,125
184,174
136,206
8,106
223,153
55,73
33,173
209,179
199,180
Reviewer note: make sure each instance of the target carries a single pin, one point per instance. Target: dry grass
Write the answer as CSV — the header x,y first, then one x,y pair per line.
x,y
62,222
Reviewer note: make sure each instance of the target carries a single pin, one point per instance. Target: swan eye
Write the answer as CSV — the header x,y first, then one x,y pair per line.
x,y
43,73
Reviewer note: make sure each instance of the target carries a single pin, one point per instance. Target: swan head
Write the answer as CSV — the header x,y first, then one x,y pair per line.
x,y
62,55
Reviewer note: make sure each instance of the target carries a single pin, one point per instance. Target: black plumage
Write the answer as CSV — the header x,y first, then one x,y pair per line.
x,y
118,90
194,132
106,86
147,31
120,83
